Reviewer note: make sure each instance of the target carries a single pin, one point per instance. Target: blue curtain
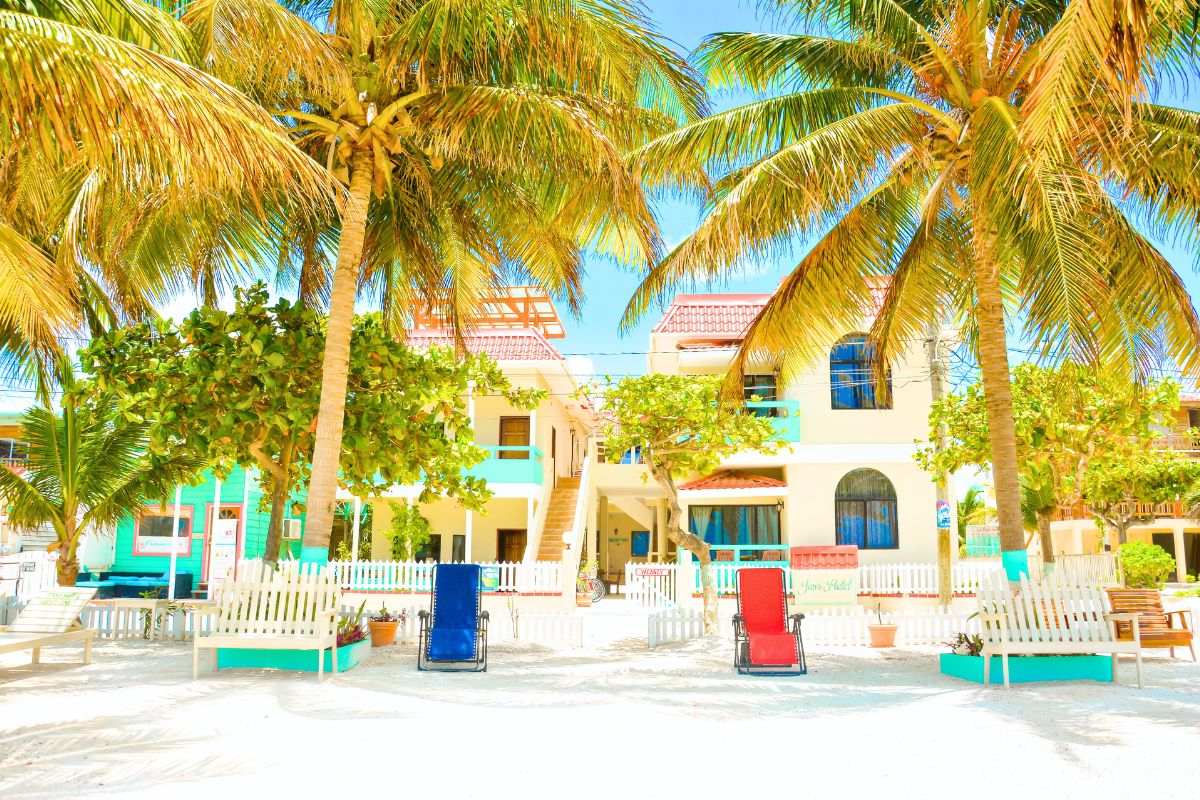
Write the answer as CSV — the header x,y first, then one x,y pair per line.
x,y
734,525
851,527
881,528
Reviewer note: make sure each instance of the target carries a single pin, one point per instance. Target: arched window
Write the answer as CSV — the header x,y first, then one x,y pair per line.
x,y
852,375
865,504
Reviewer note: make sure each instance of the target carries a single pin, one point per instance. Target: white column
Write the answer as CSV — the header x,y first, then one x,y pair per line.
x,y
469,555
355,526
532,429
242,523
174,543
212,524
1180,552
529,534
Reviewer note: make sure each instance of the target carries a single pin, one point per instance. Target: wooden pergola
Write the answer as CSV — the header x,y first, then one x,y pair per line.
x,y
511,308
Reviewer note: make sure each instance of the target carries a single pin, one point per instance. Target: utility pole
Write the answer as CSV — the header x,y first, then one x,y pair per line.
x,y
937,382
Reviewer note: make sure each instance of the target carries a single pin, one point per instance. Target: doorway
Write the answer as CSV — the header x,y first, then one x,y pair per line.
x,y
510,545
514,432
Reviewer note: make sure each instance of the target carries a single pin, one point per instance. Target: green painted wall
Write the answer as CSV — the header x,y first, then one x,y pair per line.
x,y
198,498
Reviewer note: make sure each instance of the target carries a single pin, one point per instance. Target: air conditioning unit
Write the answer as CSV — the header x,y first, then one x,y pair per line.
x,y
291,530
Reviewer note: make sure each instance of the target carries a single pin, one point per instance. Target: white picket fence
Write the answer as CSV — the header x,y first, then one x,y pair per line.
x,y
22,575
655,586
539,577
831,627
1091,569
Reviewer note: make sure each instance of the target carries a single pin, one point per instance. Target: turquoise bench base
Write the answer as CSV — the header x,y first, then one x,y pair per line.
x,y
349,657
1027,669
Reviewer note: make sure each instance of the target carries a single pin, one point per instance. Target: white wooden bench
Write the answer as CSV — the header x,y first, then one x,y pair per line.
x,y
50,619
1047,618
291,607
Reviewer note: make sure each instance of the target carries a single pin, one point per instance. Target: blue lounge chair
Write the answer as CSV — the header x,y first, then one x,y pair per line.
x,y
454,630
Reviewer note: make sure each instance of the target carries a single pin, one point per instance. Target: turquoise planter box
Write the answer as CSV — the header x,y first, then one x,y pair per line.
x,y
349,657
1027,669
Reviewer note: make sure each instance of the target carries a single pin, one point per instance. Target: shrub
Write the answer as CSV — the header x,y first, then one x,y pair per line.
x,y
1146,566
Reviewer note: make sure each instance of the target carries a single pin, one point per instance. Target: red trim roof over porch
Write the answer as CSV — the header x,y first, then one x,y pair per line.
x,y
500,345
721,315
728,479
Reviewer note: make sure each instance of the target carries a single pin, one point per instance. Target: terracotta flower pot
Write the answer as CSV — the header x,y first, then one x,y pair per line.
x,y
383,633
583,599
882,635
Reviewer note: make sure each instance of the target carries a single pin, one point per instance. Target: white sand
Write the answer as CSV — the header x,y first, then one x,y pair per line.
x,y
614,721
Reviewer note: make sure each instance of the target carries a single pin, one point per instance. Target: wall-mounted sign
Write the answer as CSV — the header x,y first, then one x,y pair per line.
x,y
825,576
640,547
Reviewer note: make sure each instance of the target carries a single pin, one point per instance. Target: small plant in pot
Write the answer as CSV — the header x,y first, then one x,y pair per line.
x,y
882,634
583,582
966,644
383,625
350,629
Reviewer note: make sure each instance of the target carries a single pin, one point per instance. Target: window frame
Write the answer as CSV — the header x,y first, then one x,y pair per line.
x,y
187,512
891,503
862,367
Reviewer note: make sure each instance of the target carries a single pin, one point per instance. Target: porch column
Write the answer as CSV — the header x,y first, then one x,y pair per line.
x,y
355,527
532,429
660,520
1180,552
174,543
469,556
245,512
529,532
601,527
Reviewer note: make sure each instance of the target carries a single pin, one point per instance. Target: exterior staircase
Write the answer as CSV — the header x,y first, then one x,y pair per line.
x,y
560,518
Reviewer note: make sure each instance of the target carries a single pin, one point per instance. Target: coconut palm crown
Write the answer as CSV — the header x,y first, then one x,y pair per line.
x,y
990,163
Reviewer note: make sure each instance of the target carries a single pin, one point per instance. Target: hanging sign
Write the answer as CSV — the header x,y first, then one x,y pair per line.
x,y
943,515
825,576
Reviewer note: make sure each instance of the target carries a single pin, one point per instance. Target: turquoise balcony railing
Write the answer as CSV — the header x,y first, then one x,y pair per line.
x,y
785,416
770,554
519,465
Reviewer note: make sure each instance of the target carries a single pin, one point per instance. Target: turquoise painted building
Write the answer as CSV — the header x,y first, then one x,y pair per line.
x,y
144,545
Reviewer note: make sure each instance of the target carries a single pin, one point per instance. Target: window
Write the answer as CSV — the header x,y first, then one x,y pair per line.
x,y
761,387
432,549
152,531
458,548
852,376
865,504
514,432
746,525
13,450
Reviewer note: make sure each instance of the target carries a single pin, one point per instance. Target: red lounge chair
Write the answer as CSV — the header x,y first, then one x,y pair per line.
x,y
766,640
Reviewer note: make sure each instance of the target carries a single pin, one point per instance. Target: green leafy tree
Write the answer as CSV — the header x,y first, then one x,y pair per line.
x,y
1123,486
680,429
409,531
1145,566
981,163
88,467
243,387
1064,418
477,141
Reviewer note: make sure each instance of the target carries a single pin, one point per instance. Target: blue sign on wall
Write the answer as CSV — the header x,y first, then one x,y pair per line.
x,y
490,579
640,544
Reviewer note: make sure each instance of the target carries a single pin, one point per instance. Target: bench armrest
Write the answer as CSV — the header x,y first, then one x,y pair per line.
x,y
203,612
1183,614
1123,617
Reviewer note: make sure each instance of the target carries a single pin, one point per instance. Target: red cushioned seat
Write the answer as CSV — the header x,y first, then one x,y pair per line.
x,y
763,636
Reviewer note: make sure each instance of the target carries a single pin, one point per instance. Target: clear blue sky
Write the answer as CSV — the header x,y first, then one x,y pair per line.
x,y
592,341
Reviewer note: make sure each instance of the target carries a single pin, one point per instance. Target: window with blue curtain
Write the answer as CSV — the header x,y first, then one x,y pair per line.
x,y
734,525
852,379
865,509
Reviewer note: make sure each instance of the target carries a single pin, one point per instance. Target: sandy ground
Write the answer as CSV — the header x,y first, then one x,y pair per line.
x,y
615,720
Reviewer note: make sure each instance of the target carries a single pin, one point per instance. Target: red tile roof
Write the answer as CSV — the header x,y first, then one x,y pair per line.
x,y
501,345
834,556
728,479
722,315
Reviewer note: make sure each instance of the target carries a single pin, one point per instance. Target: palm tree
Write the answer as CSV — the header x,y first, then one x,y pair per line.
x,y
965,155
972,510
1038,506
478,140
87,469
126,173
1191,502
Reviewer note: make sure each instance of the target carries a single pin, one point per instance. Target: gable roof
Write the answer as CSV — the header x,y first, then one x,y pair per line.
x,y
525,344
721,315
730,479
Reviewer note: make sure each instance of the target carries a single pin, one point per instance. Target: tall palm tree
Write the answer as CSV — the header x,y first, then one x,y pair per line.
x,y
478,140
126,173
984,160
972,510
87,469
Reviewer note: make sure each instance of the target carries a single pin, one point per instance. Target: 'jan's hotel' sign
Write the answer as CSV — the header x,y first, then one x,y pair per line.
x,y
825,576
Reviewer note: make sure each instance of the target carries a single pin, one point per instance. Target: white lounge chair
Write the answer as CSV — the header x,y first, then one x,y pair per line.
x,y
1046,618
50,619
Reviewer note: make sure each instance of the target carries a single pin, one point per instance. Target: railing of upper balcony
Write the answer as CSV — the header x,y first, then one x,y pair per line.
x,y
511,464
13,463
1168,510
1184,440
784,414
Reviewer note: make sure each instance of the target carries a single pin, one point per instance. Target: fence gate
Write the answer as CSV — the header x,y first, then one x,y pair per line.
x,y
652,585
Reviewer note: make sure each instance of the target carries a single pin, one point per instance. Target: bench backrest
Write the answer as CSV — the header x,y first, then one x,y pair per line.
x,y
52,610
1146,603
290,599
1045,611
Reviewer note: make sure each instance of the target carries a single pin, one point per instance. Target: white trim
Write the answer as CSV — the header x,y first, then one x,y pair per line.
x,y
833,454
717,494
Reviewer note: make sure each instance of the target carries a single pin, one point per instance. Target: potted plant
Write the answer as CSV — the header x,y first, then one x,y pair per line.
x,y
383,624
351,641
882,634
583,583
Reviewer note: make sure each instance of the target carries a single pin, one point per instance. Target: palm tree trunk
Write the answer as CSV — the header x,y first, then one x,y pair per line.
x,y
1046,538
67,566
279,496
997,389
322,489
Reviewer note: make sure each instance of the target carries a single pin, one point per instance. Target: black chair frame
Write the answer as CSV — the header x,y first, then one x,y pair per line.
x,y
741,650
479,664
